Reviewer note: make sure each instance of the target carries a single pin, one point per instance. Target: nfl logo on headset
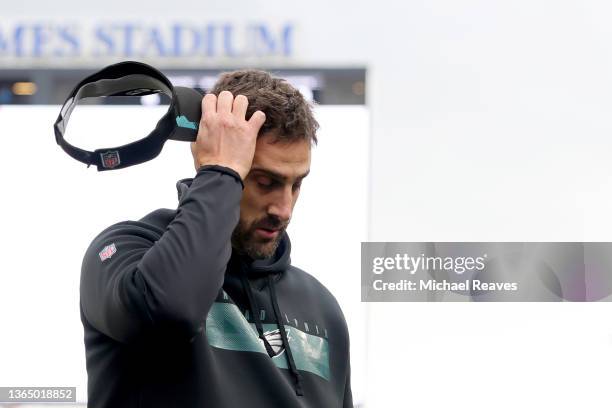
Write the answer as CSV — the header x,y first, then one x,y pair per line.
x,y
110,159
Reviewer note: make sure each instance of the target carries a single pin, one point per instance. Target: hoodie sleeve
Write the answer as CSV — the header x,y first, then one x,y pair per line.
x,y
138,281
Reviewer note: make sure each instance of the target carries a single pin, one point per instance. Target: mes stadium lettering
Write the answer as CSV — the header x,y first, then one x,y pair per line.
x,y
70,40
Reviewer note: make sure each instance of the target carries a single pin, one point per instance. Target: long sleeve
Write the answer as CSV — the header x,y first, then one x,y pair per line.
x,y
137,279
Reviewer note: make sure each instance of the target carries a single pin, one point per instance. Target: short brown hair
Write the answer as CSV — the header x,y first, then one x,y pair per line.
x,y
287,112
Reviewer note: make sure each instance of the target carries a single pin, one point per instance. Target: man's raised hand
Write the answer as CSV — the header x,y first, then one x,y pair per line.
x,y
225,137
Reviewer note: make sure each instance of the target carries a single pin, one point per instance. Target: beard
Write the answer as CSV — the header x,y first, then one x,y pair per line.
x,y
245,240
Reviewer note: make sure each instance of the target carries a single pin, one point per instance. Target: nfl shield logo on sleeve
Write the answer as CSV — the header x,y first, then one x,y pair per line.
x,y
110,159
107,252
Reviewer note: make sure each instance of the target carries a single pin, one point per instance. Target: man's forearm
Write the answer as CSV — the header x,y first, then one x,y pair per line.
x,y
169,282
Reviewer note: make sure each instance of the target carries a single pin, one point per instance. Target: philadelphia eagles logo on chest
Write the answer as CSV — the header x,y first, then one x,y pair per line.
x,y
275,340
229,328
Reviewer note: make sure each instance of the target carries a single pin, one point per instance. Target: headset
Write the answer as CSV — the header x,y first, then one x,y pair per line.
x,y
130,78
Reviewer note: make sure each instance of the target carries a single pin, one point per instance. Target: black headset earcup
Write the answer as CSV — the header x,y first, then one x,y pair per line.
x,y
188,107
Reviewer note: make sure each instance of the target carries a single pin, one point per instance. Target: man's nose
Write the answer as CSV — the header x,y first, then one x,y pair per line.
x,y
282,206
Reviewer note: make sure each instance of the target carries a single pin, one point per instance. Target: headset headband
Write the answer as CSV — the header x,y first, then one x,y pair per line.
x,y
131,78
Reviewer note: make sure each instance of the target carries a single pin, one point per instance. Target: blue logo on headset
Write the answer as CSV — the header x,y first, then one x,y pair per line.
x,y
183,122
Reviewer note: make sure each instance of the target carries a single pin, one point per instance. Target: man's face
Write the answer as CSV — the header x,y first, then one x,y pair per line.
x,y
270,192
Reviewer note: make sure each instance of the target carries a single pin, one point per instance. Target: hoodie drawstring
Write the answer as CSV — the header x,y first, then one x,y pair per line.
x,y
277,313
281,327
254,311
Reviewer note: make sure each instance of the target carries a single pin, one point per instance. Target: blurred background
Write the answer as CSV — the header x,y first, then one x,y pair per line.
x,y
441,120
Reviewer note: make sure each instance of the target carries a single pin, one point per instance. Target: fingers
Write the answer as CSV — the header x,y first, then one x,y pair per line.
x,y
240,106
225,102
225,137
257,120
209,104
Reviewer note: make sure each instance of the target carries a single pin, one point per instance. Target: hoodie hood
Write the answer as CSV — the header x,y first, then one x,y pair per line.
x,y
247,271
182,186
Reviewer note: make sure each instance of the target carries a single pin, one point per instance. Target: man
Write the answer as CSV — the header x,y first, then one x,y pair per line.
x,y
200,306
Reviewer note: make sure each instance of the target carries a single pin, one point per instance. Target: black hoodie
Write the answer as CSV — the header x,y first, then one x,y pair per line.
x,y
174,318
